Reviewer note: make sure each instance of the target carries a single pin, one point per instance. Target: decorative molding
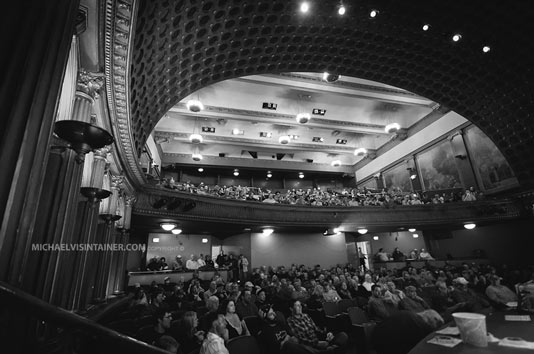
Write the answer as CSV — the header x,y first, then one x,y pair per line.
x,y
119,25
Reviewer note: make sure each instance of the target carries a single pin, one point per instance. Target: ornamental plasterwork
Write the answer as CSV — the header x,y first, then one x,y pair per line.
x,y
118,39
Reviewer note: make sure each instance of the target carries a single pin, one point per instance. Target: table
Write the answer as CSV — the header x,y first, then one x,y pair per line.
x,y
496,325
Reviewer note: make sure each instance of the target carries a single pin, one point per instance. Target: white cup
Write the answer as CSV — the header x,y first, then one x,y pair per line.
x,y
472,328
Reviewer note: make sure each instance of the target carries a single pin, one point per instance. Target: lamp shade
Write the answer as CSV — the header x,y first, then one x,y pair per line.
x,y
362,231
167,226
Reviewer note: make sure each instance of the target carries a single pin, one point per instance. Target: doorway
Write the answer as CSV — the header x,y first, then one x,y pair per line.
x,y
364,250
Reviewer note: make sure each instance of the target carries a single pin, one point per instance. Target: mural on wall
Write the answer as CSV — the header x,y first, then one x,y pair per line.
x,y
490,166
438,168
369,184
397,179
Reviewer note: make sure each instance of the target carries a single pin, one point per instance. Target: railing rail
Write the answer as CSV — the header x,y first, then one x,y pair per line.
x,y
22,302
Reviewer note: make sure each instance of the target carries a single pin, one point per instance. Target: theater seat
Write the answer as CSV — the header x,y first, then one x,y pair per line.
x,y
362,329
253,324
243,345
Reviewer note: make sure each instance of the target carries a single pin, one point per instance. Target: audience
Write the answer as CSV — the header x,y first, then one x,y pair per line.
x,y
287,300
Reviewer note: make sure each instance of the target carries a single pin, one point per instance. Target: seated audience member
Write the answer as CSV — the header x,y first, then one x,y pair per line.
x,y
398,255
261,298
245,307
139,298
400,332
376,307
153,264
235,325
178,264
425,256
300,293
381,256
368,283
162,323
344,291
413,302
217,335
498,293
157,302
212,306
209,262
473,302
188,334
167,343
311,336
200,261
163,264
274,337
442,301
212,290
191,264
330,294
393,295
414,254
176,298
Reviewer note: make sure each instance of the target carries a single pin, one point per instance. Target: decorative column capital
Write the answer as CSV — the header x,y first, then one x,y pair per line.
x,y
130,200
89,83
116,181
102,153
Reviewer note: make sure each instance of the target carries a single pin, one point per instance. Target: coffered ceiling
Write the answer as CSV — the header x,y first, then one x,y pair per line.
x,y
243,119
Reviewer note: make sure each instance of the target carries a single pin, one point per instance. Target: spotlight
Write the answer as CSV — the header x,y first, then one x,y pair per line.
x,y
330,77
426,27
200,169
167,226
336,163
486,49
304,7
284,139
360,151
176,231
303,118
196,138
470,226
301,175
267,232
415,235
197,157
363,231
392,128
412,230
341,10
337,230
456,37
236,172
194,105
373,13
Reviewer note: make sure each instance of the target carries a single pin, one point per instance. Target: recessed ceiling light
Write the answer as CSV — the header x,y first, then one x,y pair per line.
x,y
200,169
167,226
470,226
391,128
415,235
204,240
373,13
237,131
284,139
194,105
411,230
301,175
196,138
486,49
155,239
362,231
341,10
269,174
176,231
303,118
330,77
304,7
375,238
360,151
426,27
456,37
236,172
267,232
336,163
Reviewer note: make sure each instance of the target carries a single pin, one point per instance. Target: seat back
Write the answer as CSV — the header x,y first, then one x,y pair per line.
x,y
253,324
243,345
344,304
330,309
357,315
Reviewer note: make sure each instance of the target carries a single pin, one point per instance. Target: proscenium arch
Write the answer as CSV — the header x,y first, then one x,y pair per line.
x,y
182,46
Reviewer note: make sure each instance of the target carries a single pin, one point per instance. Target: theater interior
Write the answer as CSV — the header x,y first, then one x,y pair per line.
x,y
306,134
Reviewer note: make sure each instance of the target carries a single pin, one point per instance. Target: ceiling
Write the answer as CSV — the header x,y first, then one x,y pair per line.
x,y
354,115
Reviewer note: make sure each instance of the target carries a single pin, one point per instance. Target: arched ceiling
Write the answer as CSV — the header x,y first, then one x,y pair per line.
x,y
182,46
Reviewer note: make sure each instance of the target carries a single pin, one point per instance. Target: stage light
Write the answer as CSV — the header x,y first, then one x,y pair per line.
x,y
267,232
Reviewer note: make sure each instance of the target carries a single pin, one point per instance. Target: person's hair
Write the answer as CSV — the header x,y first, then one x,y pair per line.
x,y
209,318
224,305
410,288
212,303
167,343
187,323
374,286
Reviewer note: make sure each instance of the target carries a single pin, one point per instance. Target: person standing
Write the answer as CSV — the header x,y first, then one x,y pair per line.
x,y
242,264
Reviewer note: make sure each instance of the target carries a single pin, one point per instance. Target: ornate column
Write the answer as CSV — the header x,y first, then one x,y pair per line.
x,y
117,283
105,233
87,219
